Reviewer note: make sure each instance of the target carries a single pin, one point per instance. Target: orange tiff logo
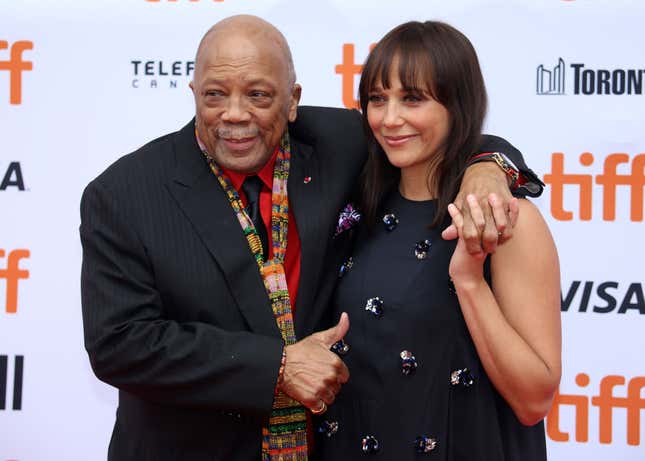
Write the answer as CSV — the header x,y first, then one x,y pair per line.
x,y
606,401
12,274
348,70
16,66
609,180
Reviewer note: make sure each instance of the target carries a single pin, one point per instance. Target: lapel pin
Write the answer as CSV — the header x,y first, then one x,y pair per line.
x,y
307,179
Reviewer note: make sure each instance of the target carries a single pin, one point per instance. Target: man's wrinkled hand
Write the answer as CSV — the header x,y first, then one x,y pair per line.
x,y
491,222
312,372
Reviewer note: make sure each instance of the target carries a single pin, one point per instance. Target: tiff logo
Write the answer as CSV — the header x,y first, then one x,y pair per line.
x,y
349,70
550,81
16,66
12,274
609,180
18,369
606,401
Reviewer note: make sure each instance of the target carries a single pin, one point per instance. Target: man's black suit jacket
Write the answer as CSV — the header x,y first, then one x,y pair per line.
x,y
174,309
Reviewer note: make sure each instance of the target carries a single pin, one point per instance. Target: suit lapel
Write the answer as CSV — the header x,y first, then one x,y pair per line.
x,y
304,200
204,203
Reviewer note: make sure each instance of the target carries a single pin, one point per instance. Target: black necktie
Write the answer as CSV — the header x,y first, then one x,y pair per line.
x,y
252,186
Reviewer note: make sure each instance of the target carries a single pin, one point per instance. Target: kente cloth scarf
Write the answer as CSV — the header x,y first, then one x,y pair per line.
x,y
285,439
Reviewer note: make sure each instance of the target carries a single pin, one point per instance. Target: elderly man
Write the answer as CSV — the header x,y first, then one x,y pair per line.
x,y
209,259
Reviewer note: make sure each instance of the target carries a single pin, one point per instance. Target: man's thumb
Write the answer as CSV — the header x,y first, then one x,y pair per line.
x,y
338,332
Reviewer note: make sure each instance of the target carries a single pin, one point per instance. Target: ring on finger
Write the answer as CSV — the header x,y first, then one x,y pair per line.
x,y
320,410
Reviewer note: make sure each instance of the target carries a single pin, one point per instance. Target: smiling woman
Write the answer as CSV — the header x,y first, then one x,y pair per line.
x,y
450,362
411,126
427,83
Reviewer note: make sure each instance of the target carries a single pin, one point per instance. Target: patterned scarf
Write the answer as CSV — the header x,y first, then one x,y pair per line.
x,y
285,439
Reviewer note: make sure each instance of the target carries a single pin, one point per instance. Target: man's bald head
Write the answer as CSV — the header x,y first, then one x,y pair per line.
x,y
251,28
245,92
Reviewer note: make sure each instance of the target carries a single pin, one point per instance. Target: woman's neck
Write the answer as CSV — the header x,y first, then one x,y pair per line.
x,y
414,184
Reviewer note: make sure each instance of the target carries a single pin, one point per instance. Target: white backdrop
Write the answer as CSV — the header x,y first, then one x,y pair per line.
x,y
90,96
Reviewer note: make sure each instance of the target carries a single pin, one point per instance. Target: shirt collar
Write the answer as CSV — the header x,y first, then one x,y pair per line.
x,y
265,174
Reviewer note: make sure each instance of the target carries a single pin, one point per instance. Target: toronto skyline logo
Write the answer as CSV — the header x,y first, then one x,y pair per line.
x,y
550,81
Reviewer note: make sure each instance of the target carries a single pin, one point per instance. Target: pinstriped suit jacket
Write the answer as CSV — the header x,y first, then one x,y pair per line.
x,y
174,309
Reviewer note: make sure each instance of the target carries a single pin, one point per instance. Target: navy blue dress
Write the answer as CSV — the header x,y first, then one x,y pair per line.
x,y
417,389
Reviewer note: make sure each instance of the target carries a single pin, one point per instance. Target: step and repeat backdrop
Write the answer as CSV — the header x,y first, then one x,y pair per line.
x,y
82,83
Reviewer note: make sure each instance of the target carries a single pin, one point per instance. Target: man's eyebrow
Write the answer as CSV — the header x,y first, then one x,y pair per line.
x,y
210,80
260,81
251,82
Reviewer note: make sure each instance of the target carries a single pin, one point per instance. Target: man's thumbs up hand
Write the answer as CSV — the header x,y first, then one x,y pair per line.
x,y
313,374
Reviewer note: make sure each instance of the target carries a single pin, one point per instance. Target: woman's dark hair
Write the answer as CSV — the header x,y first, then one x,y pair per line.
x,y
436,59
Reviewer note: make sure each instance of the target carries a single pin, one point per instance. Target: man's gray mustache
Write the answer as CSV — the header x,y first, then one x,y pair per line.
x,y
235,134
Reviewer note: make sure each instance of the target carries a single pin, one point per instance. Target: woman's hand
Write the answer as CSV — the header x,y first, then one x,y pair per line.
x,y
498,209
466,267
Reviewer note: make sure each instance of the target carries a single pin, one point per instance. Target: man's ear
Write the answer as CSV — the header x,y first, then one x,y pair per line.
x,y
294,99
